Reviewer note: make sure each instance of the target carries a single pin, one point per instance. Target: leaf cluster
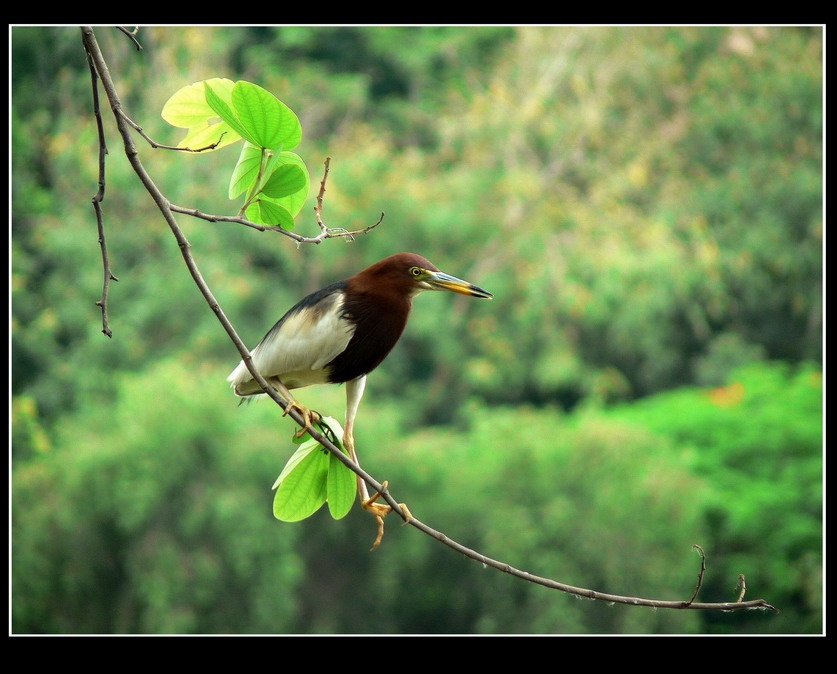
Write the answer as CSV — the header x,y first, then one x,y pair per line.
x,y
313,477
273,179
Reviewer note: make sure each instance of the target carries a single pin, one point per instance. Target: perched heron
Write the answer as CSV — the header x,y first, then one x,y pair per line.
x,y
340,334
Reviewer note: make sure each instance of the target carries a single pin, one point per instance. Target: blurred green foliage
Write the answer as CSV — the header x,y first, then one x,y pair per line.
x,y
646,206
759,442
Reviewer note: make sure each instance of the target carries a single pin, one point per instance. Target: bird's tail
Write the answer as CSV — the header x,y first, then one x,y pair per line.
x,y
242,382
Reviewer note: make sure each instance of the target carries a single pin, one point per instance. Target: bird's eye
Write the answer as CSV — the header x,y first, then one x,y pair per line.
x,y
415,271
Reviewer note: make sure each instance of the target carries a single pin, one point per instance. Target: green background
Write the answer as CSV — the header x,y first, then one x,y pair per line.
x,y
646,205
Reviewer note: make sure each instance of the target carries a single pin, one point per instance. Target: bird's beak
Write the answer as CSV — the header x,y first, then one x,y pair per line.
x,y
438,280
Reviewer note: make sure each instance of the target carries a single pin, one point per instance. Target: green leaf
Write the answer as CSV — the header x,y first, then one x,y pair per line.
x,y
303,489
246,170
341,486
307,447
294,202
223,107
342,481
267,212
287,179
187,108
287,185
267,121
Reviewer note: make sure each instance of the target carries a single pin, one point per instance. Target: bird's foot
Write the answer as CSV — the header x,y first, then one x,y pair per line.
x,y
309,416
380,511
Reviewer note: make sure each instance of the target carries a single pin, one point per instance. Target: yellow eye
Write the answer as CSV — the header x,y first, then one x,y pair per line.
x,y
416,271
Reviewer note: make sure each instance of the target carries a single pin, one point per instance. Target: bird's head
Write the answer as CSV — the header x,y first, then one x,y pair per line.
x,y
408,274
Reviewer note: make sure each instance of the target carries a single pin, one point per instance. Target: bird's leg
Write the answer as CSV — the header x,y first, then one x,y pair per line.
x,y
369,504
309,416
354,393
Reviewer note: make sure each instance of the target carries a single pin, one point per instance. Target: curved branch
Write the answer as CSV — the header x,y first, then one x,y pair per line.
x,y
167,209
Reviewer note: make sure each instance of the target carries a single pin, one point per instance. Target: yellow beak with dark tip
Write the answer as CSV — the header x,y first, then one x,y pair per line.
x,y
439,280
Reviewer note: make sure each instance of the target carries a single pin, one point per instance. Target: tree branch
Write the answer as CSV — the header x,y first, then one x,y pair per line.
x,y
325,233
168,210
97,201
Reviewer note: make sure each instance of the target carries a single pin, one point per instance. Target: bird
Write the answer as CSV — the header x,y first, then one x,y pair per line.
x,y
341,333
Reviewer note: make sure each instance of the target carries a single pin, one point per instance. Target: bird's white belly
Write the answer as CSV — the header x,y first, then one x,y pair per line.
x,y
301,347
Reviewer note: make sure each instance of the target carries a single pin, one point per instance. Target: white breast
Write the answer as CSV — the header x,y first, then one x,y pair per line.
x,y
299,347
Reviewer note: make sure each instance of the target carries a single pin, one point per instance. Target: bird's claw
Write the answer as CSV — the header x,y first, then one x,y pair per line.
x,y
380,511
309,416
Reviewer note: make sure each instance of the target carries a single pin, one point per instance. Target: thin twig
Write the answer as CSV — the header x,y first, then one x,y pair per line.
x,y
742,586
102,302
132,35
701,572
318,209
167,210
335,232
328,233
160,146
